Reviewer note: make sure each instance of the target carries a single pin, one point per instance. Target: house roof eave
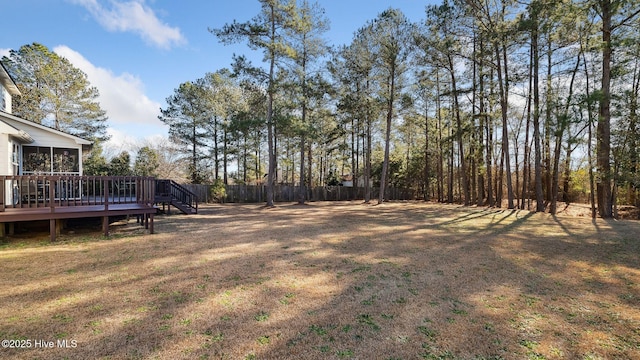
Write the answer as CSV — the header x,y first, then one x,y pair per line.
x,y
22,137
8,82
19,135
78,140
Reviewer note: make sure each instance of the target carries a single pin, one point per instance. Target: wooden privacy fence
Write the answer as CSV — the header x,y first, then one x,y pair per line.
x,y
289,193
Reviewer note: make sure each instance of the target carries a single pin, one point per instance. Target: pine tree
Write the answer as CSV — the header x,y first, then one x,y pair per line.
x,y
392,39
353,69
147,162
614,14
120,165
267,32
306,32
187,117
55,93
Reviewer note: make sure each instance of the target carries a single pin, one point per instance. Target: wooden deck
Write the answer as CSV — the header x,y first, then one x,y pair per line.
x,y
56,198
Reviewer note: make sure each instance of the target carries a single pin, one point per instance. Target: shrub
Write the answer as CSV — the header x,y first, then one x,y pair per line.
x,y
217,191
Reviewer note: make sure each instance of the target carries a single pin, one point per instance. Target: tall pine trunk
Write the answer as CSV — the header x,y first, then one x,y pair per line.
x,y
440,143
216,156
225,159
540,206
271,176
564,119
427,174
459,132
367,160
503,88
526,167
603,130
387,138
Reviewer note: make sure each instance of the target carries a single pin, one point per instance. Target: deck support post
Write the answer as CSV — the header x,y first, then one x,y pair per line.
x,y
3,234
52,230
55,228
105,225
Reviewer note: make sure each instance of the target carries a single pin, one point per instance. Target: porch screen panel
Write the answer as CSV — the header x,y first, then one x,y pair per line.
x,y
65,160
36,159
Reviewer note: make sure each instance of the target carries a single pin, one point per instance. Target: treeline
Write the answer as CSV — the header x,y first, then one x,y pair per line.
x,y
488,102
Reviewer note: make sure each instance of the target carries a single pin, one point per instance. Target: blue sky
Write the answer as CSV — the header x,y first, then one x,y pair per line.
x,y
136,52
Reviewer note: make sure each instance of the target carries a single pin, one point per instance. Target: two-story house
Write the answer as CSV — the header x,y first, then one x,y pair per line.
x,y
41,176
28,148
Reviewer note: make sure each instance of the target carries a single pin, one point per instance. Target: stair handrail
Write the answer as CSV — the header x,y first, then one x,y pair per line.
x,y
180,193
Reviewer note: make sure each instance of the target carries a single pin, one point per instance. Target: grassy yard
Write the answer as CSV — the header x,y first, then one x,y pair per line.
x,y
329,281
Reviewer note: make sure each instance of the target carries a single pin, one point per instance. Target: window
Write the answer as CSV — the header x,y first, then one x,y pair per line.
x,y
65,160
36,159
46,160
15,158
15,154
3,101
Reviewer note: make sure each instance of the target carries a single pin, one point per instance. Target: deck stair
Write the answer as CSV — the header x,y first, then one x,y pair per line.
x,y
170,193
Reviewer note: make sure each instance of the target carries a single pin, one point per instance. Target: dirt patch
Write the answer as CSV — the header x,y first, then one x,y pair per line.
x,y
329,280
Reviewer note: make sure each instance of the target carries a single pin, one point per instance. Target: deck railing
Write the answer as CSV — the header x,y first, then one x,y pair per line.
x,y
33,191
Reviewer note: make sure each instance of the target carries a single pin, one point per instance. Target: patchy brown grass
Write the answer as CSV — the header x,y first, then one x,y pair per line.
x,y
330,280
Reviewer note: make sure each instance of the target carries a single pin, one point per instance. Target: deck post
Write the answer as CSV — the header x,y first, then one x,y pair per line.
x,y
52,192
2,196
105,225
151,231
105,194
52,230
2,231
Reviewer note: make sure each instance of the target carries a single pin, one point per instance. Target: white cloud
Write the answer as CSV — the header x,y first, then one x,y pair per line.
x,y
133,16
122,96
121,140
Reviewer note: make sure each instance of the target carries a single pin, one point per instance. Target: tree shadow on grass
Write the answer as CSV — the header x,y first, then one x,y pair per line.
x,y
414,281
